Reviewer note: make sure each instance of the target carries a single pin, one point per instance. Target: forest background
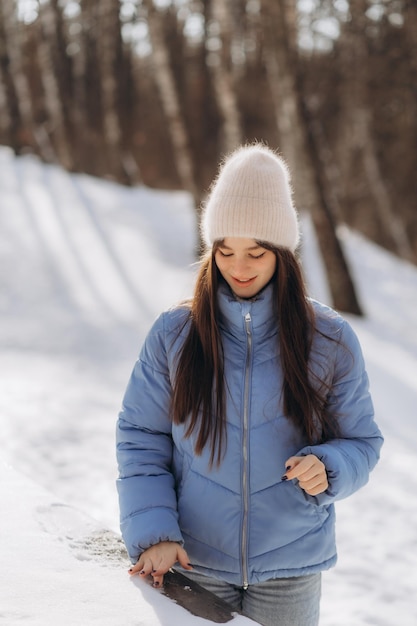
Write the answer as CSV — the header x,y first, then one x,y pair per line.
x,y
156,92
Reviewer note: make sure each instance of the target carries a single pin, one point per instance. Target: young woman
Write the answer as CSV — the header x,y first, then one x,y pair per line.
x,y
247,414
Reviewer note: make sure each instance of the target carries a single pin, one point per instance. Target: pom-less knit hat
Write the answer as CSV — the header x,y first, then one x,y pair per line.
x,y
251,197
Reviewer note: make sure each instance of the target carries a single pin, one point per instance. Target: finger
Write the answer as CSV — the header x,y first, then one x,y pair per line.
x,y
290,467
162,567
315,491
312,473
316,473
292,462
135,569
304,467
158,580
314,486
312,483
143,567
183,559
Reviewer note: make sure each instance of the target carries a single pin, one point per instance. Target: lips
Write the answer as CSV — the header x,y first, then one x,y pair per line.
x,y
243,283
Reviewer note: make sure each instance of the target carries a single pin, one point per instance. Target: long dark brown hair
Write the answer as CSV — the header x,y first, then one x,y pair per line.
x,y
199,386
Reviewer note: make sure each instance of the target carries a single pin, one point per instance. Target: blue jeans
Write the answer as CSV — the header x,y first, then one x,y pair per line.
x,y
275,602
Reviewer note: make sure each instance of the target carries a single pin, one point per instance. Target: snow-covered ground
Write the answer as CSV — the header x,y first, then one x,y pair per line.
x,y
85,266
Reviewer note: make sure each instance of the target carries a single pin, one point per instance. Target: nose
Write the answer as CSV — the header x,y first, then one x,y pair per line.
x,y
240,268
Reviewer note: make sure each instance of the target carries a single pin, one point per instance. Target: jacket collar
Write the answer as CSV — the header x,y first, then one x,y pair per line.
x,y
260,308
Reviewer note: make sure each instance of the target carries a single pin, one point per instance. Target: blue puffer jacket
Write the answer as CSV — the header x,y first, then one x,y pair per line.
x,y
240,522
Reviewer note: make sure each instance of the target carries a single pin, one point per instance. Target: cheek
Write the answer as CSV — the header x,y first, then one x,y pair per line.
x,y
270,271
221,264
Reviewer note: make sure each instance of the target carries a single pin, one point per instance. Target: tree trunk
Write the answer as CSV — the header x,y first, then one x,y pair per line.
x,y
298,149
86,111
109,48
359,134
53,97
167,89
5,96
20,102
220,64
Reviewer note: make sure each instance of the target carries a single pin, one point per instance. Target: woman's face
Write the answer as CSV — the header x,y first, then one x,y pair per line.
x,y
245,265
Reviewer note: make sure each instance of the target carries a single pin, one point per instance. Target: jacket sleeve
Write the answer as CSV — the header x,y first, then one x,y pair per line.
x,y
349,459
146,486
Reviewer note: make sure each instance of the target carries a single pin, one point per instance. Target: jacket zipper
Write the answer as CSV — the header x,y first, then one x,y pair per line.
x,y
245,488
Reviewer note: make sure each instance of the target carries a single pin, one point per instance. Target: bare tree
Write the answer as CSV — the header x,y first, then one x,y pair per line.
x,y
110,59
108,40
81,138
220,63
20,100
358,128
410,30
164,78
53,101
5,96
298,149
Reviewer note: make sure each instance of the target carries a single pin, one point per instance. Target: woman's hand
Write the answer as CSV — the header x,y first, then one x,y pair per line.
x,y
310,472
158,559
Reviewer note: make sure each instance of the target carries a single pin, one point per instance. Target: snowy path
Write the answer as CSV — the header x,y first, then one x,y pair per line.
x,y
80,260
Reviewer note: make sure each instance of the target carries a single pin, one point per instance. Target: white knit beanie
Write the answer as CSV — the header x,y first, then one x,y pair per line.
x,y
252,198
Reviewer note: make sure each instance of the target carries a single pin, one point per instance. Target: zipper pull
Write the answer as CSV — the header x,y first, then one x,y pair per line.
x,y
248,321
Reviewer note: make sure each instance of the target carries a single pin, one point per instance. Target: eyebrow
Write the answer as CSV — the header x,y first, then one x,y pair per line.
x,y
255,247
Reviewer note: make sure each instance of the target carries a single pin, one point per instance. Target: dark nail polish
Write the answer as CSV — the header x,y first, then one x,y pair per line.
x,y
156,584
142,572
131,569
284,477
287,469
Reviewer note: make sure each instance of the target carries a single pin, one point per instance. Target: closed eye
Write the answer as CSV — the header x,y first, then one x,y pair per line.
x,y
225,254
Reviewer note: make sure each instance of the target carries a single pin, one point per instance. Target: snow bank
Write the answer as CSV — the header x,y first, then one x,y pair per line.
x,y
59,566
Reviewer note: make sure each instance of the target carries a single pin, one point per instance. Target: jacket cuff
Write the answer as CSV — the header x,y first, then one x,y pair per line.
x,y
147,528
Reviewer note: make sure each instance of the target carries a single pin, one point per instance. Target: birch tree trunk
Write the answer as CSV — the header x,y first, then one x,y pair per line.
x,y
52,101
82,136
86,112
220,64
298,149
109,48
167,89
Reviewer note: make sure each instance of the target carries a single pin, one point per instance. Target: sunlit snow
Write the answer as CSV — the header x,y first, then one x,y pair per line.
x,y
85,267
